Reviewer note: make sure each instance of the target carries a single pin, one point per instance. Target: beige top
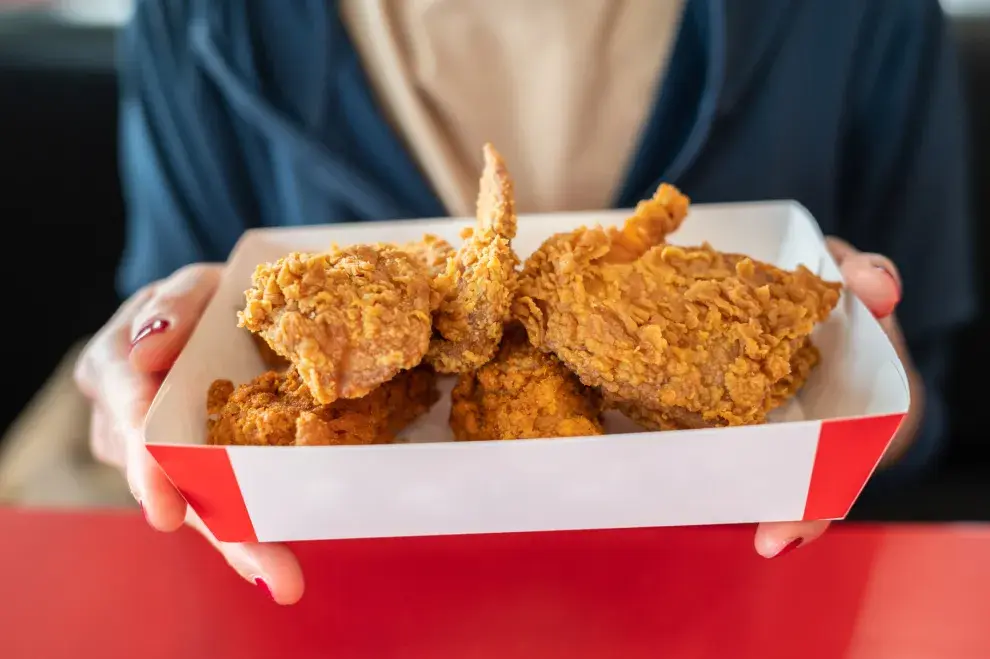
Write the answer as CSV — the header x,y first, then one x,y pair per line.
x,y
562,89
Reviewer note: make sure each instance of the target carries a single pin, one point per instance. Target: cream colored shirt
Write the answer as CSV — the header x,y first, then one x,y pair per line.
x,y
562,88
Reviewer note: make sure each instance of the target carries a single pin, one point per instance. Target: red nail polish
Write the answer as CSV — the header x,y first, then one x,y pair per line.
x,y
789,547
156,326
260,583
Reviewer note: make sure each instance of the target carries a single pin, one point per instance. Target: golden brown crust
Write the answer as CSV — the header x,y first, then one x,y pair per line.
x,y
478,283
349,319
694,335
523,393
432,252
277,409
803,362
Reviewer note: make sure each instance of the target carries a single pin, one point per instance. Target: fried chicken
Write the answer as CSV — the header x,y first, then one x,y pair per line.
x,y
478,283
804,360
348,320
683,337
802,363
277,409
523,393
432,252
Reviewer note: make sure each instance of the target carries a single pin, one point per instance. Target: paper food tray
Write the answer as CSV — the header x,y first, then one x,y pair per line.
x,y
809,462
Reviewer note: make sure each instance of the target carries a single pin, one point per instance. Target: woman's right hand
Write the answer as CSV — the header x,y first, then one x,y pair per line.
x,y
120,371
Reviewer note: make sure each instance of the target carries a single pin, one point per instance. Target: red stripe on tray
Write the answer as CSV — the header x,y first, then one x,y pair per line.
x,y
205,478
847,453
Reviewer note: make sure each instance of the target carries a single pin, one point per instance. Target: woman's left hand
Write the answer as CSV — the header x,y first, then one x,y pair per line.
x,y
874,280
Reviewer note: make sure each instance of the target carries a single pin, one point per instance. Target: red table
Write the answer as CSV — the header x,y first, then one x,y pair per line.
x,y
84,585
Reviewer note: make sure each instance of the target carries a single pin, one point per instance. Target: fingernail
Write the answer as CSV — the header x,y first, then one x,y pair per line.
x,y
156,326
789,547
260,583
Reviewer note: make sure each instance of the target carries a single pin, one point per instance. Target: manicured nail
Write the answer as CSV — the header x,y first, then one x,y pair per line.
x,y
157,326
789,547
260,583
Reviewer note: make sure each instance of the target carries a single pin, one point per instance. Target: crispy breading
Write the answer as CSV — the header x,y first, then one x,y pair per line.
x,y
478,283
348,319
521,394
692,335
802,363
431,251
277,409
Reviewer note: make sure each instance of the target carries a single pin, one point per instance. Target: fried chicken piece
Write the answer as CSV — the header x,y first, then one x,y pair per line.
x,y
478,283
693,336
432,251
277,409
348,319
802,363
523,394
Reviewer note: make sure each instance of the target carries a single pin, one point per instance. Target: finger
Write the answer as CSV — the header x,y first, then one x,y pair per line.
x,y
105,446
839,249
104,344
874,280
270,566
161,327
777,538
163,506
126,396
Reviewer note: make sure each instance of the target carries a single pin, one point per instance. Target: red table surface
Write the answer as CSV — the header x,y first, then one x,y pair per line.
x,y
104,585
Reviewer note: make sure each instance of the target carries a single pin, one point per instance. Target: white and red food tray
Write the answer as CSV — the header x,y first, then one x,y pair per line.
x,y
809,462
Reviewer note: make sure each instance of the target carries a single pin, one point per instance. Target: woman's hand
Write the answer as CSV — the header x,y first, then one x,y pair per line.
x,y
120,371
874,280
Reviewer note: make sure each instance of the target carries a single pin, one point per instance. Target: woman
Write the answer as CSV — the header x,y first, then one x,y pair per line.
x,y
236,115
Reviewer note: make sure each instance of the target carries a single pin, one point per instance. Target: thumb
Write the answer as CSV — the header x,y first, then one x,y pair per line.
x,y
162,326
872,278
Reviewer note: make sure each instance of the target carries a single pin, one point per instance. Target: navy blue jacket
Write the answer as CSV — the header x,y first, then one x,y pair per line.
x,y
258,113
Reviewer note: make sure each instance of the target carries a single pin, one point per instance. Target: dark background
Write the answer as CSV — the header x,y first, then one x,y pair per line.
x,y
61,199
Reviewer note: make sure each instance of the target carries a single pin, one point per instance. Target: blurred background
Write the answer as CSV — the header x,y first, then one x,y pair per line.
x,y
60,188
